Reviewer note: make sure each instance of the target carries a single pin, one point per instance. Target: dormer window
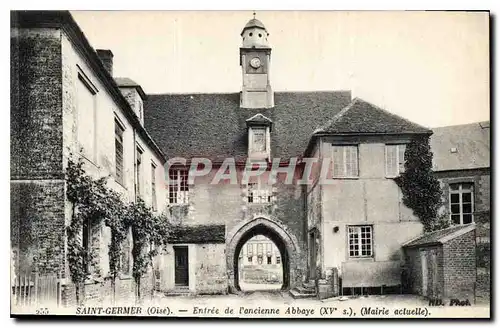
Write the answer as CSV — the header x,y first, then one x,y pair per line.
x,y
259,137
258,140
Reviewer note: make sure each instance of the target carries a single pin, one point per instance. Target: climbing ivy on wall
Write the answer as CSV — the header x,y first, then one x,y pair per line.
x,y
421,190
94,202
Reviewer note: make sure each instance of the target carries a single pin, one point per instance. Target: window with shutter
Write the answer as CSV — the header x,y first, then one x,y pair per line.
x,y
86,115
394,160
119,153
345,161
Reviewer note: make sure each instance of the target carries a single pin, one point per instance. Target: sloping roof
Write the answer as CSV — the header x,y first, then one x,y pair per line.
x,y
470,141
214,125
198,234
254,22
259,119
129,83
440,236
362,117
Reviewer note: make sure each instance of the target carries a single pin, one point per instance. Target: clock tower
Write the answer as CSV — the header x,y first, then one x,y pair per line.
x,y
255,60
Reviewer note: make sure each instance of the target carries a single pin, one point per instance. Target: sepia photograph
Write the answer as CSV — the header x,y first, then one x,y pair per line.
x,y
250,164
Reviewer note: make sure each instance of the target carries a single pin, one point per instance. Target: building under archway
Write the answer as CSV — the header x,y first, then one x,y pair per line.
x,y
276,234
260,265
260,258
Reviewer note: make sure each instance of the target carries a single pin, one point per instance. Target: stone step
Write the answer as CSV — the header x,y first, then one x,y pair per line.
x,y
296,294
178,291
304,290
309,284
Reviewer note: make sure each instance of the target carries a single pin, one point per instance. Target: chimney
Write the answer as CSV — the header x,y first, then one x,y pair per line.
x,y
106,57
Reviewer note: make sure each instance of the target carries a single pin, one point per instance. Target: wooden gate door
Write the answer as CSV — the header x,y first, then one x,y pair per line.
x,y
181,266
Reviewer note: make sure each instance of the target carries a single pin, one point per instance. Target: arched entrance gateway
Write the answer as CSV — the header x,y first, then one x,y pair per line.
x,y
277,233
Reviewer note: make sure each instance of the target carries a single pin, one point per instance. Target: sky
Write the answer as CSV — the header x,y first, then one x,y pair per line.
x,y
429,67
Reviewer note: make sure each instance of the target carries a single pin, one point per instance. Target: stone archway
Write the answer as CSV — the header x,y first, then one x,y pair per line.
x,y
278,234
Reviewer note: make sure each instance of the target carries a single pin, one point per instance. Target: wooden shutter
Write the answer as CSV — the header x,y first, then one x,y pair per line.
x,y
338,161
351,157
401,158
391,165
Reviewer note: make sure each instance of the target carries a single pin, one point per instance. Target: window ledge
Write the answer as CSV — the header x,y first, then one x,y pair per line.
x,y
345,178
361,259
120,184
177,205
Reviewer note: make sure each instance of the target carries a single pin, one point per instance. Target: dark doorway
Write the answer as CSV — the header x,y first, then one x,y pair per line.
x,y
279,244
181,266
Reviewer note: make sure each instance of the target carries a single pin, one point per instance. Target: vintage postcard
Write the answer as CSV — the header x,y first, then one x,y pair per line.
x,y
240,164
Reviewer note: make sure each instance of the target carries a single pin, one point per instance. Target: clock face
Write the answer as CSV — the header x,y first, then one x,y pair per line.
x,y
255,62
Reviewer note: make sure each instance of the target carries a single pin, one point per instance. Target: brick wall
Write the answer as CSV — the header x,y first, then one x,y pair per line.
x,y
460,266
481,180
36,104
37,225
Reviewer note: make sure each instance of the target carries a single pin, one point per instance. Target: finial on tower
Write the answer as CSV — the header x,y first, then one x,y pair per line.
x,y
254,14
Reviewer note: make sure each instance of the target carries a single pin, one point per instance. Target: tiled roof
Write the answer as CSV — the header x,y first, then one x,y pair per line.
x,y
198,234
214,125
361,117
460,147
129,83
254,22
440,236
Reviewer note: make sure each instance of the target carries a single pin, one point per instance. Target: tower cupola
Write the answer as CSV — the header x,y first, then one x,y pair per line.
x,y
254,34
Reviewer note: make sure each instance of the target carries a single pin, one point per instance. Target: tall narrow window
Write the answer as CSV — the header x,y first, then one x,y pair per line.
x,y
119,152
394,160
86,116
138,173
345,161
154,202
250,252
360,241
462,203
178,187
125,257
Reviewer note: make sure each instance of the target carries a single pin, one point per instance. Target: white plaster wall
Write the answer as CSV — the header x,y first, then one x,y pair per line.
x,y
103,164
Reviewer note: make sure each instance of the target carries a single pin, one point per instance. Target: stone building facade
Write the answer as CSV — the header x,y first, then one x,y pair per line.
x,y
66,105
333,210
